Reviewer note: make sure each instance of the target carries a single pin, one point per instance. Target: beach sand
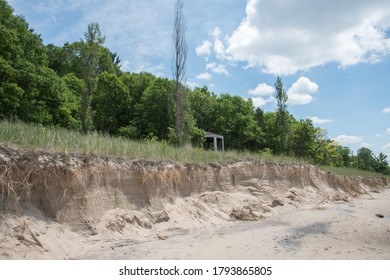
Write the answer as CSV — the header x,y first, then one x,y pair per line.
x,y
337,230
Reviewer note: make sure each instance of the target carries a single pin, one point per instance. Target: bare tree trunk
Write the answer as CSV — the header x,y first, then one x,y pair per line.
x,y
180,57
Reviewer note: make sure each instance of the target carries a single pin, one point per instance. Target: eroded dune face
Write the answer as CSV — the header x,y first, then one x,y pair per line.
x,y
90,197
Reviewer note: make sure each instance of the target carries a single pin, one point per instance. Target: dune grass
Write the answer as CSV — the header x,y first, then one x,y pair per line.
x,y
352,172
61,140
54,139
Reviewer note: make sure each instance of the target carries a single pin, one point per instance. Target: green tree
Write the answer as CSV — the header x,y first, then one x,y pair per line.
x,y
136,84
346,157
60,59
303,138
203,107
29,89
365,159
382,165
75,87
152,112
235,120
269,128
112,104
10,92
281,116
89,56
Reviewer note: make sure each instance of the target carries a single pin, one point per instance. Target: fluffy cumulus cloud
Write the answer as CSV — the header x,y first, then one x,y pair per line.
x,y
345,139
300,93
259,101
283,37
262,90
386,111
219,46
264,94
318,120
217,68
204,76
214,49
204,49
214,45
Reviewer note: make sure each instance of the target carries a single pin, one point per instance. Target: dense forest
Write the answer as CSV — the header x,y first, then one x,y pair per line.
x,y
80,86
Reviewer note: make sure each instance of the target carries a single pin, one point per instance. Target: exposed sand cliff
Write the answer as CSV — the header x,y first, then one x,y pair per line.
x,y
64,205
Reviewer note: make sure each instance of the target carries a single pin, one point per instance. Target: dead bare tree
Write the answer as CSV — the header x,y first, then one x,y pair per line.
x,y
179,63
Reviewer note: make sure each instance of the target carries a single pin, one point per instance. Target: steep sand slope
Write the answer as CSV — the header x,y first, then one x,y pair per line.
x,y
58,206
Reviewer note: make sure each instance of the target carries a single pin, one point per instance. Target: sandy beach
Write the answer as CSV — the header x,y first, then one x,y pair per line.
x,y
79,207
338,230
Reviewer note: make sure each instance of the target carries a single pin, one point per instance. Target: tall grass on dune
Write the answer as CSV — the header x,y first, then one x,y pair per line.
x,y
352,172
61,140
54,139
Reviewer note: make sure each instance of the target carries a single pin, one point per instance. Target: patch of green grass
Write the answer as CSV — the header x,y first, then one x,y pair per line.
x,y
54,139
353,172
61,140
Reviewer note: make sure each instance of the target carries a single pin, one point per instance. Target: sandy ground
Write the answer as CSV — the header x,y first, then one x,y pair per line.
x,y
64,206
339,230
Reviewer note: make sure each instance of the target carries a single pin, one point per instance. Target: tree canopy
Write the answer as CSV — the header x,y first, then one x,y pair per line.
x,y
80,86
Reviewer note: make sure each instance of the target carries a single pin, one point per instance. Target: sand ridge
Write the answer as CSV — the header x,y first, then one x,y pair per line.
x,y
64,206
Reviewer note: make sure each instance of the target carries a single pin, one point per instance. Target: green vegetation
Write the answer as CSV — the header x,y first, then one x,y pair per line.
x,y
35,137
79,87
350,171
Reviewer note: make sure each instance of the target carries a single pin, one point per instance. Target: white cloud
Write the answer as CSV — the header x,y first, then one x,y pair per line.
x,y
300,92
204,76
386,110
318,120
204,49
388,131
285,37
262,90
261,101
219,47
258,101
216,32
345,139
217,68
386,147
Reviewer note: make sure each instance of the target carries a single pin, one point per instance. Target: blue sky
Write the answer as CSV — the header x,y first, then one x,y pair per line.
x,y
333,56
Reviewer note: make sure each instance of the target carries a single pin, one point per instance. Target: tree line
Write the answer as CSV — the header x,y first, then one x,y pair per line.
x,y
80,86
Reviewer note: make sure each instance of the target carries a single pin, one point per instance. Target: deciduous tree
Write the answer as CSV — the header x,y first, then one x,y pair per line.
x,y
179,65
89,54
281,116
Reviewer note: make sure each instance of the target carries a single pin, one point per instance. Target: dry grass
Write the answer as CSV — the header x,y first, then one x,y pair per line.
x,y
14,185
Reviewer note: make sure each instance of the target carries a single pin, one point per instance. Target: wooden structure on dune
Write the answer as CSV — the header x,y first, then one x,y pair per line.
x,y
214,142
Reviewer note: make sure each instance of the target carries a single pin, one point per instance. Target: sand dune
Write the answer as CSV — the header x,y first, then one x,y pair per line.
x,y
61,206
